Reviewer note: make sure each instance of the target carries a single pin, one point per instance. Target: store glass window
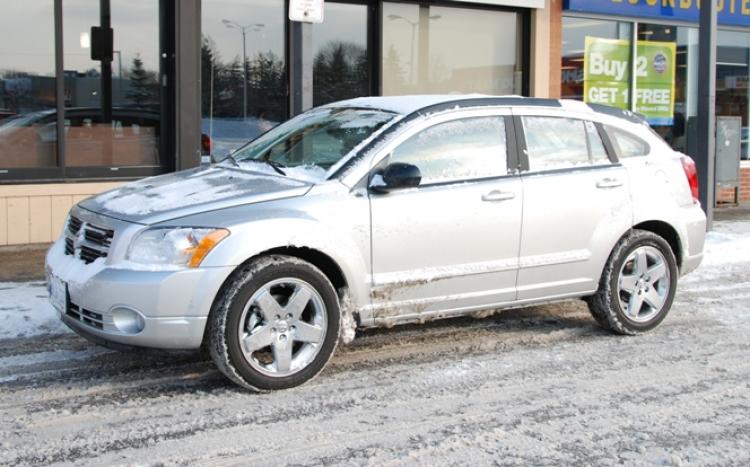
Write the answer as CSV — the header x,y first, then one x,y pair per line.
x,y
677,76
28,132
732,80
603,47
430,49
112,94
243,70
340,57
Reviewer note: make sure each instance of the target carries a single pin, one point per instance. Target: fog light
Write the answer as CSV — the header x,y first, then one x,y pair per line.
x,y
128,321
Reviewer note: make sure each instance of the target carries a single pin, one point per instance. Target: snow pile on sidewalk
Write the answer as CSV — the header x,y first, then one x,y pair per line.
x,y
728,243
25,309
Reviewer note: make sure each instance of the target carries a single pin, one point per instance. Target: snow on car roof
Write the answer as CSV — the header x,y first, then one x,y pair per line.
x,y
405,105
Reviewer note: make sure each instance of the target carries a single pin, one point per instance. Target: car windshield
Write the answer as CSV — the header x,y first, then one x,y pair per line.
x,y
316,139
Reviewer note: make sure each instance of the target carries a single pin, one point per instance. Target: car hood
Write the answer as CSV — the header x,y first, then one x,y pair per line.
x,y
159,199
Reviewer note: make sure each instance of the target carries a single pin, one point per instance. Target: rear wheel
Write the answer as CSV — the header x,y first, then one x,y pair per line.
x,y
637,286
277,324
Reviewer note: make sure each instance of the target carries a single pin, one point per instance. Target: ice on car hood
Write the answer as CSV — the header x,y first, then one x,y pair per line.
x,y
183,193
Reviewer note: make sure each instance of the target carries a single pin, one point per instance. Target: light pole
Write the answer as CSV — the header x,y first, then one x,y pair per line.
x,y
413,25
243,30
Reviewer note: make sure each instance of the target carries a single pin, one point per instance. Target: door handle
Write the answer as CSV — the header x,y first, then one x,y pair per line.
x,y
609,183
497,195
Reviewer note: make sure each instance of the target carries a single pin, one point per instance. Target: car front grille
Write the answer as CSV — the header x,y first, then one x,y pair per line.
x,y
95,320
87,241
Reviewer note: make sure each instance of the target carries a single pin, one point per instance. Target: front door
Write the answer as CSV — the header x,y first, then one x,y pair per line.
x,y
451,244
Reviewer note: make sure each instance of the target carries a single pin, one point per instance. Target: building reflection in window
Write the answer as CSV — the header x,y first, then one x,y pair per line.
x,y
28,132
340,58
243,71
430,49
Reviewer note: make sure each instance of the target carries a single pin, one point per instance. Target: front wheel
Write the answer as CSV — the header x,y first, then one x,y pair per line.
x,y
277,324
637,286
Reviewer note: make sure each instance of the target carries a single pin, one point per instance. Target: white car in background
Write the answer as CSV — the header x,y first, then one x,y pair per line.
x,y
381,211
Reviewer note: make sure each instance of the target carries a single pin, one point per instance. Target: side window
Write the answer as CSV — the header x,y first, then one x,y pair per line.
x,y
627,145
458,150
555,143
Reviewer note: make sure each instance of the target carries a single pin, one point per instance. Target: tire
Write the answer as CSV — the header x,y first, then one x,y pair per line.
x,y
275,324
637,286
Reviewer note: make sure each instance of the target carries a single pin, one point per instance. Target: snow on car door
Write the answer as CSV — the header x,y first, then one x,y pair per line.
x,y
451,244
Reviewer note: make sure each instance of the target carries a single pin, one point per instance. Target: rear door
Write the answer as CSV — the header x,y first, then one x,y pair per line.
x,y
576,205
450,244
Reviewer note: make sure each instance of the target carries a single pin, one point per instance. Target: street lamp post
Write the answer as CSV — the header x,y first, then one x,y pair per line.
x,y
243,30
413,25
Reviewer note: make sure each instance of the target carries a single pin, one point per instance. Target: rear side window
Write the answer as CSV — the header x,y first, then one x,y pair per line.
x,y
562,143
458,150
626,144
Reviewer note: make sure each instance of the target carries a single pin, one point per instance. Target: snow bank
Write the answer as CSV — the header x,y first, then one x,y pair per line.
x,y
25,311
728,243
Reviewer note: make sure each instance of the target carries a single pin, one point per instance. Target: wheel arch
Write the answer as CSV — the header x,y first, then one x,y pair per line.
x,y
668,233
317,258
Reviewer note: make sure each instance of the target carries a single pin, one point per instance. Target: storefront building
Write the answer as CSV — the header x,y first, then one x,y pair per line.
x,y
642,55
95,93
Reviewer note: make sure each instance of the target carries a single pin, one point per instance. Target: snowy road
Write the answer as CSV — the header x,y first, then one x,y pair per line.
x,y
542,385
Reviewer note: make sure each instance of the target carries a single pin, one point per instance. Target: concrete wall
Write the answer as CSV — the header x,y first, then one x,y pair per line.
x,y
36,213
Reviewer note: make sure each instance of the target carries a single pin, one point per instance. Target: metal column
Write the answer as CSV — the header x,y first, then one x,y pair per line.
x,y
706,137
300,67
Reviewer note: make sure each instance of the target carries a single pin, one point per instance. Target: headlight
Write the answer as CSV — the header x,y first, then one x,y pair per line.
x,y
183,246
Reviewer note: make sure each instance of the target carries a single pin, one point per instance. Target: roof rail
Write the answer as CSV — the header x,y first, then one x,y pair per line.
x,y
632,117
490,101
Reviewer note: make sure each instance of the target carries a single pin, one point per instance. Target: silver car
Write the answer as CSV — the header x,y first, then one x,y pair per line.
x,y
382,211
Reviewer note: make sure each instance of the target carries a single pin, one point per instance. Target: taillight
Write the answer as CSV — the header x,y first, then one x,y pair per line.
x,y
688,165
205,144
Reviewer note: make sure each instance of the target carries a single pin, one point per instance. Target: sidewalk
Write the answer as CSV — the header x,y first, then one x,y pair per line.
x,y
734,213
22,262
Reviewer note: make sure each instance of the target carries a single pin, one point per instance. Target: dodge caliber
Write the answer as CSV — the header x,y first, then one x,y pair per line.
x,y
377,212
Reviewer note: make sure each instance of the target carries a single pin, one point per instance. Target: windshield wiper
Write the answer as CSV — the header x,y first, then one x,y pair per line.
x,y
274,165
231,159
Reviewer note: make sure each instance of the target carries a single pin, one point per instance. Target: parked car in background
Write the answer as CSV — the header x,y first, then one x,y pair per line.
x,y
381,211
5,114
130,139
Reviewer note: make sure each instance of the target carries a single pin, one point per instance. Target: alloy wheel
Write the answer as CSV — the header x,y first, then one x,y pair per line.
x,y
283,327
643,284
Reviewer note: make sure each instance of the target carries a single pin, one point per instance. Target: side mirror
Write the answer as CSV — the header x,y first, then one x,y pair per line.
x,y
395,176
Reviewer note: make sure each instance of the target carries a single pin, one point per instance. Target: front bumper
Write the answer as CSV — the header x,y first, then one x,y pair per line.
x,y
162,309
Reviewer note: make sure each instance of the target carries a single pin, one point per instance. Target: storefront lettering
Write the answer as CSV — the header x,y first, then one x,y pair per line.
x,y
611,68
721,5
730,12
607,81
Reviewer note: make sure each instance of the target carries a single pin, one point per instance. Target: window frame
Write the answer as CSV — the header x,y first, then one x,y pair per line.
x,y
524,165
